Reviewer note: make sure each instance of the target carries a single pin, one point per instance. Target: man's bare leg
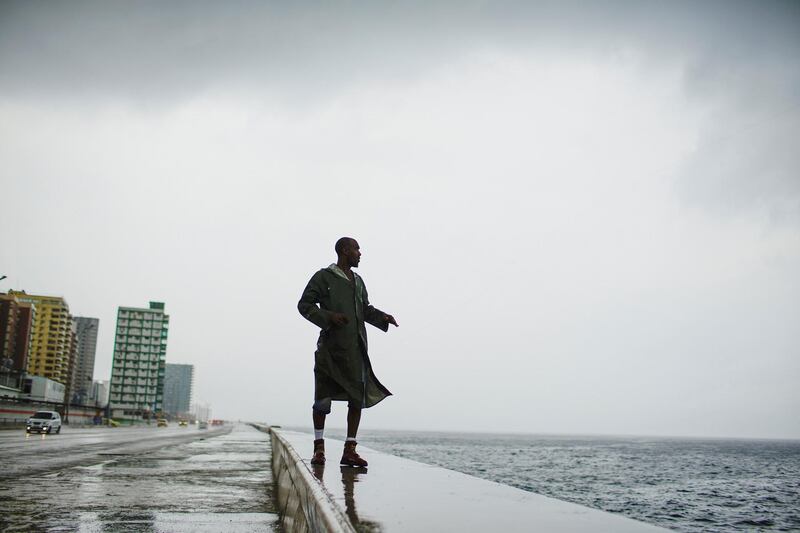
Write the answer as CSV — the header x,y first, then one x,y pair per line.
x,y
353,420
319,420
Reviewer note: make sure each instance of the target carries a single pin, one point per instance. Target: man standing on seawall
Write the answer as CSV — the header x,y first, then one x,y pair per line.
x,y
336,300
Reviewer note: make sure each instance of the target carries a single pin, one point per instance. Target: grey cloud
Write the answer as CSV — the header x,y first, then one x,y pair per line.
x,y
738,58
158,50
171,51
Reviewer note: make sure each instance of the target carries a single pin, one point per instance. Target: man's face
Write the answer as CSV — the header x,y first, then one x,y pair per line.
x,y
353,254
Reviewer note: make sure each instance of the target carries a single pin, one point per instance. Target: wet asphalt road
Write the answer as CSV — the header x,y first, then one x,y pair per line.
x,y
137,479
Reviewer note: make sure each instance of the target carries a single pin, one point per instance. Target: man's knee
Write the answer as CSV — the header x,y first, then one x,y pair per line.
x,y
322,406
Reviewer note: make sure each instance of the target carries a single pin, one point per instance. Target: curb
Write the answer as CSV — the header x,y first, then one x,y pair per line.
x,y
303,503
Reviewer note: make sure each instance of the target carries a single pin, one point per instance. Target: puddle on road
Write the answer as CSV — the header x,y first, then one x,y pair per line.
x,y
158,522
219,484
178,522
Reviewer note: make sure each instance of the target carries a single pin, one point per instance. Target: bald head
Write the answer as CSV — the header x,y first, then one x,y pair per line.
x,y
344,243
348,252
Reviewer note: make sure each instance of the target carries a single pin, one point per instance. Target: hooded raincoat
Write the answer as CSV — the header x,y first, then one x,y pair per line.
x,y
342,369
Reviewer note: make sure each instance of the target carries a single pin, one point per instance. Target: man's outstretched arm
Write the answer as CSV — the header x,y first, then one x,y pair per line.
x,y
376,317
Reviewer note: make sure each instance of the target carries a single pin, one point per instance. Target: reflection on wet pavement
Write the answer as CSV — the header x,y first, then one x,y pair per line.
x,y
222,483
350,476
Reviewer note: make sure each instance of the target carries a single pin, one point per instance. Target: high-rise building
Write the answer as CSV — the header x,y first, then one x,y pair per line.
x,y
178,383
73,361
86,335
140,353
16,321
99,395
49,354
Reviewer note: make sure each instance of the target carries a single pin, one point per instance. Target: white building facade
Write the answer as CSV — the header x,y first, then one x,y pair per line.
x,y
100,392
201,412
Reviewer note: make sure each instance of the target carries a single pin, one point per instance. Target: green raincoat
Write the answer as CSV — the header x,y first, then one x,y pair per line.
x,y
342,369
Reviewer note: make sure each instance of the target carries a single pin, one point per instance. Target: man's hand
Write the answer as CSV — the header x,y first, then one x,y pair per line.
x,y
339,319
390,319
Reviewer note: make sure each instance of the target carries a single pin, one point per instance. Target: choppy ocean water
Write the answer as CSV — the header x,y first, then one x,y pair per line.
x,y
691,485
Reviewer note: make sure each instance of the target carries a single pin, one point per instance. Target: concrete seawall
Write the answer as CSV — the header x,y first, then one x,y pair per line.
x,y
399,495
304,504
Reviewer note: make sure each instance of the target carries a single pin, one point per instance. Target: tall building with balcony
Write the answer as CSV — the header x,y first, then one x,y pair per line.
x,y
86,336
178,383
16,321
140,353
51,337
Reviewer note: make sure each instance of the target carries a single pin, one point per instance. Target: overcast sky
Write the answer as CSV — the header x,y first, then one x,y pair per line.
x,y
585,217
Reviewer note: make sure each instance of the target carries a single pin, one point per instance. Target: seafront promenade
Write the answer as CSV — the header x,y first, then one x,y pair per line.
x,y
395,494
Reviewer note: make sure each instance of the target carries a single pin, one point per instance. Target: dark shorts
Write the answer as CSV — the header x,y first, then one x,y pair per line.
x,y
323,406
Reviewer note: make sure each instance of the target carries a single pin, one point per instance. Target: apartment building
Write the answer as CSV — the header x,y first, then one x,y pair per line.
x,y
178,383
86,335
16,321
51,337
139,366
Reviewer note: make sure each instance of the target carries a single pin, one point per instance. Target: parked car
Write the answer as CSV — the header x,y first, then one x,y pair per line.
x,y
44,422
